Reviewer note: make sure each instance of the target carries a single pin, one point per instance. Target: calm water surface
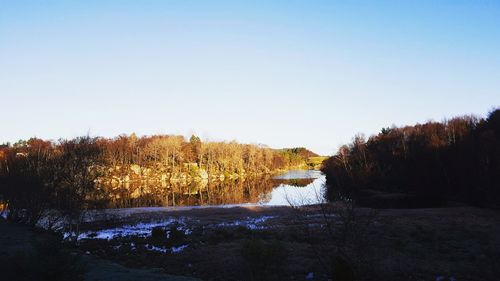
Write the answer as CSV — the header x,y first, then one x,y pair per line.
x,y
297,187
295,194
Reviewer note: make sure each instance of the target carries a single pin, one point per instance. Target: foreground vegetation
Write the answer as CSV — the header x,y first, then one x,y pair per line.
x,y
421,165
458,243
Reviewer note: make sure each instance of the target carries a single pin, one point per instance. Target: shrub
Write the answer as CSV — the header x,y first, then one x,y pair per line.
x,y
158,233
264,259
176,236
47,262
342,270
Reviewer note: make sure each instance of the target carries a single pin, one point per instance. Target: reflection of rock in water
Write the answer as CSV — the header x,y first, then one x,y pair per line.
x,y
201,192
196,187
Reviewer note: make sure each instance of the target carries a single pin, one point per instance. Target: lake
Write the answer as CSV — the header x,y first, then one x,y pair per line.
x,y
296,187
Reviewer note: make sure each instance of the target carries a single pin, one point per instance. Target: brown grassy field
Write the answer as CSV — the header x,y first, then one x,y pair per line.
x,y
461,243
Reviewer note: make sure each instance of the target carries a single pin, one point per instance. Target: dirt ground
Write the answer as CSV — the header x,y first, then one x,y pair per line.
x,y
281,243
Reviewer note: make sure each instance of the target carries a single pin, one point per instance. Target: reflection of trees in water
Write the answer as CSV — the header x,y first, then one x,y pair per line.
x,y
144,194
295,182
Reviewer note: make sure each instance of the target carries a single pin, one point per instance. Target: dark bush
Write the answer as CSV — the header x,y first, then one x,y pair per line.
x,y
158,233
342,270
264,259
176,236
224,234
48,262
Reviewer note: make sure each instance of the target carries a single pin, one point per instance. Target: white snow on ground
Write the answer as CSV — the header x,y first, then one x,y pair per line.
x,y
322,216
52,220
179,249
156,249
140,229
250,223
166,250
144,229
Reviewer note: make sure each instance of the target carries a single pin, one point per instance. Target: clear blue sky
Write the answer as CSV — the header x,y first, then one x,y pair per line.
x,y
281,73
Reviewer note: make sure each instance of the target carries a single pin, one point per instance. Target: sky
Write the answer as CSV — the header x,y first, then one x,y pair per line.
x,y
282,73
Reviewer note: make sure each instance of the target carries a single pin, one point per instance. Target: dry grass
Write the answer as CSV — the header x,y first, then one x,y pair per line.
x,y
419,244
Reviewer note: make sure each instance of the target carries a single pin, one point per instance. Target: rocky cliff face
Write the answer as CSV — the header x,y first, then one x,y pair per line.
x,y
188,173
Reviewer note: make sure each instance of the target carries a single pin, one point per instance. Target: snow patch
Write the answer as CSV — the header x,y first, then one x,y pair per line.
x,y
250,223
4,214
156,249
140,230
173,250
179,249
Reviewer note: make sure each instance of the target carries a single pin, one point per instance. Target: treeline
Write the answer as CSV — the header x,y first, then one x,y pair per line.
x,y
172,153
430,163
297,157
36,175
